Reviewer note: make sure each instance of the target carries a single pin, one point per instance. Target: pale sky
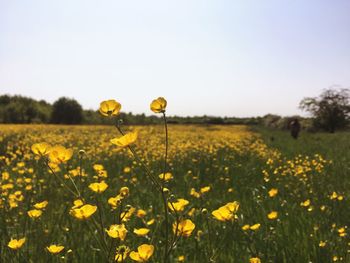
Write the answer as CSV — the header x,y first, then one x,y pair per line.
x,y
222,58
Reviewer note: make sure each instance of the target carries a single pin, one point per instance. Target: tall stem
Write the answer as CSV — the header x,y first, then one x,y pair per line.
x,y
148,172
166,146
165,203
60,180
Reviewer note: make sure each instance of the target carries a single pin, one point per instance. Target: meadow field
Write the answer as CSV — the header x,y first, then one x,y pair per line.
x,y
215,194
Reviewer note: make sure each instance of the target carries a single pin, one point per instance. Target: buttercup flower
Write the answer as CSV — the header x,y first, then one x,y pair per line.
x,y
34,213
117,231
77,203
158,105
166,177
141,213
42,148
255,227
41,205
55,249
226,212
124,191
272,215
127,214
109,107
114,201
144,252
83,212
125,140
254,260
245,227
205,189
60,154
141,231
98,187
273,192
178,206
121,253
16,243
184,228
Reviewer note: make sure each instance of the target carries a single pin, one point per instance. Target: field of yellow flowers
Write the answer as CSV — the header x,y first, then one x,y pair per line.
x,y
171,194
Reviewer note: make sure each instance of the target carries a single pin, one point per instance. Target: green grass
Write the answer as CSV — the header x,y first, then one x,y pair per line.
x,y
293,237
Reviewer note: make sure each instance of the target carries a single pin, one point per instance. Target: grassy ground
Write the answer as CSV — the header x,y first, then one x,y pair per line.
x,y
305,182
332,146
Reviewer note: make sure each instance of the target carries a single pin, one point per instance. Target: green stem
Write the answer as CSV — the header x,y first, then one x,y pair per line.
x,y
165,203
209,235
97,240
59,179
175,236
148,172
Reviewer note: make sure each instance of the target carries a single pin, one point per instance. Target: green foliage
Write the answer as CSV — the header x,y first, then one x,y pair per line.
x,y
331,110
18,109
66,111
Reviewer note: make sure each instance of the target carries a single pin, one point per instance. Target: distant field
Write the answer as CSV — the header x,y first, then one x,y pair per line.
x,y
286,200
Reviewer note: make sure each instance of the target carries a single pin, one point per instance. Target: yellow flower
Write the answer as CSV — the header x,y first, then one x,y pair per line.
x,y
272,215
83,212
184,228
150,222
127,169
166,177
178,206
181,258
125,140
127,214
306,203
98,187
322,244
158,105
55,249
194,193
205,189
60,154
342,232
34,213
226,212
109,107
141,231
77,203
254,260
114,201
42,148
141,213
121,253
255,227
192,211
273,192
334,196
124,191
41,205
245,227
144,252
16,243
98,167
117,231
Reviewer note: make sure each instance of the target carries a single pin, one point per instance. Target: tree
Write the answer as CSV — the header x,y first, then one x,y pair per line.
x,y
66,111
331,110
19,109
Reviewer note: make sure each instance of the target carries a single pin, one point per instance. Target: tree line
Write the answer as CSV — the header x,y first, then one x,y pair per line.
x,y
329,111
19,109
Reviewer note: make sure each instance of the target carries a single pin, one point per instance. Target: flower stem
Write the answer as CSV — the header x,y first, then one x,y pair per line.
x,y
165,203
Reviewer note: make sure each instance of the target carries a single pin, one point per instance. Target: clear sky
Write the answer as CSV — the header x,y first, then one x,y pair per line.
x,y
224,58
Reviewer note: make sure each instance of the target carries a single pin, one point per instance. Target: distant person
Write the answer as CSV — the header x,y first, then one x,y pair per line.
x,y
294,128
